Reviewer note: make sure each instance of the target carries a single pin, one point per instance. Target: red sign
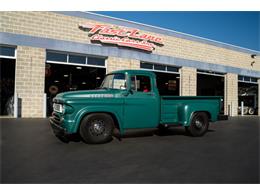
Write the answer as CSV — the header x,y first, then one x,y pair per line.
x,y
121,36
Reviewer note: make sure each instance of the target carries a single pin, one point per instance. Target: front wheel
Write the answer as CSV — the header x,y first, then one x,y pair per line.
x,y
97,128
199,124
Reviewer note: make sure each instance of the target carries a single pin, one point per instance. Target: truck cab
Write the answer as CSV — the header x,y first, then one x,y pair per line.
x,y
129,99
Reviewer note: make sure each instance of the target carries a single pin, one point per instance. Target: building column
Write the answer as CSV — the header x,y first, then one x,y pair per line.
x,y
231,94
29,80
188,81
116,63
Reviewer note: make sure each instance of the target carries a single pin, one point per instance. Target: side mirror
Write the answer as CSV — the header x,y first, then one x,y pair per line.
x,y
130,91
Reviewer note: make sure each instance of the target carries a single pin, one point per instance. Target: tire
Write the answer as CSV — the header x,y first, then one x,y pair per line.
x,y
97,128
10,106
251,110
199,124
245,110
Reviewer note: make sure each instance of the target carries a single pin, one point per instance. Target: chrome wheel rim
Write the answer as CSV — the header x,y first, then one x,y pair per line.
x,y
97,127
199,123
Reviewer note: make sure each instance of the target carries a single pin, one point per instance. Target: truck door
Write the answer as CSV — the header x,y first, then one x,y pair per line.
x,y
141,108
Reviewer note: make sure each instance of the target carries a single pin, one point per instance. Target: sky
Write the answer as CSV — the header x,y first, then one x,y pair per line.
x,y
236,28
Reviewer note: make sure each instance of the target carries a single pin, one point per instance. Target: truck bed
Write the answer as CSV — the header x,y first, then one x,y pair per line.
x,y
176,110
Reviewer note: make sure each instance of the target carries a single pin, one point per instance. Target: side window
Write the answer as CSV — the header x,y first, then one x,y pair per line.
x,y
141,83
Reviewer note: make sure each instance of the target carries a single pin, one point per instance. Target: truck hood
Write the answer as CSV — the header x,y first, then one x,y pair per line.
x,y
99,93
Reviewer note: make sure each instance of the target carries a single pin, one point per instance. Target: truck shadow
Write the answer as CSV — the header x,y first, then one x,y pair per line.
x,y
142,133
156,132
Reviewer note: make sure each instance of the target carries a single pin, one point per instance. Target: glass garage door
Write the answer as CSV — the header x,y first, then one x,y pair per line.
x,y
71,72
168,77
7,71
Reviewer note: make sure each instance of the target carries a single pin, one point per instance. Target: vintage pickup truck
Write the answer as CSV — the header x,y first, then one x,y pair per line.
x,y
127,100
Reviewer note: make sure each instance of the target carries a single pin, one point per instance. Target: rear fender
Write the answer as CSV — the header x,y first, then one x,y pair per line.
x,y
185,113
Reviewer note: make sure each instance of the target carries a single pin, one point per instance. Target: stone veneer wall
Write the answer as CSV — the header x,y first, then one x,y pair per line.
x,y
29,80
231,94
188,81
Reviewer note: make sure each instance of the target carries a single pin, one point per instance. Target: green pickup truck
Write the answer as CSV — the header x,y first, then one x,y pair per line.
x,y
127,100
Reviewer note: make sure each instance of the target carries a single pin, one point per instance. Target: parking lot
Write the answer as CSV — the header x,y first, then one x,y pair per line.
x,y
228,153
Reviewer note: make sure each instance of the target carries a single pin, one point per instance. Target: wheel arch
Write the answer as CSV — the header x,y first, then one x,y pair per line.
x,y
205,111
114,116
199,111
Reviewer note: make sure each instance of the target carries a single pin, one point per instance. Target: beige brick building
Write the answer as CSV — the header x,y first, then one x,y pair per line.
x,y
49,53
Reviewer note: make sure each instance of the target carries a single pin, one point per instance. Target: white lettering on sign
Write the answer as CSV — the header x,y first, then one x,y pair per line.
x,y
121,36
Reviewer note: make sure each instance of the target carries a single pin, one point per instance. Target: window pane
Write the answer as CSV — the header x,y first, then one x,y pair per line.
x,y
246,78
240,78
133,86
146,65
159,67
96,61
119,81
254,80
56,57
172,69
7,51
114,81
77,59
143,83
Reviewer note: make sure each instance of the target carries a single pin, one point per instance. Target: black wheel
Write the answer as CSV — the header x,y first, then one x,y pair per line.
x,y
97,128
199,124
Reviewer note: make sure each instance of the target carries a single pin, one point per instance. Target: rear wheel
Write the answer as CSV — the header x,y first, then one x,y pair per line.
x,y
97,128
199,124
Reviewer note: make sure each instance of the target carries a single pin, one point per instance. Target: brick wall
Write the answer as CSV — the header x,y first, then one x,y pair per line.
x,y
231,94
29,80
115,63
58,26
188,81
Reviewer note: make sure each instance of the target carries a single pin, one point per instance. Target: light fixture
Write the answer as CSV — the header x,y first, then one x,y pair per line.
x,y
253,56
79,68
98,78
65,75
56,81
83,83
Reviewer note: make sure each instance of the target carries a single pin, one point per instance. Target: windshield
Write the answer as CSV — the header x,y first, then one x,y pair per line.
x,y
114,81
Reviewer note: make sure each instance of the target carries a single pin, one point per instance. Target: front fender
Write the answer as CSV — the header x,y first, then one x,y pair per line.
x,y
97,109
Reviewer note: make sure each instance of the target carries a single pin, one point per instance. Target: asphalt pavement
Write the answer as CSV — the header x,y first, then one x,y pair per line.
x,y
227,153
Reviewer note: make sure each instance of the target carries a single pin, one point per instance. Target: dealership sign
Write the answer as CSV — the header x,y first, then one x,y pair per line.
x,y
121,36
